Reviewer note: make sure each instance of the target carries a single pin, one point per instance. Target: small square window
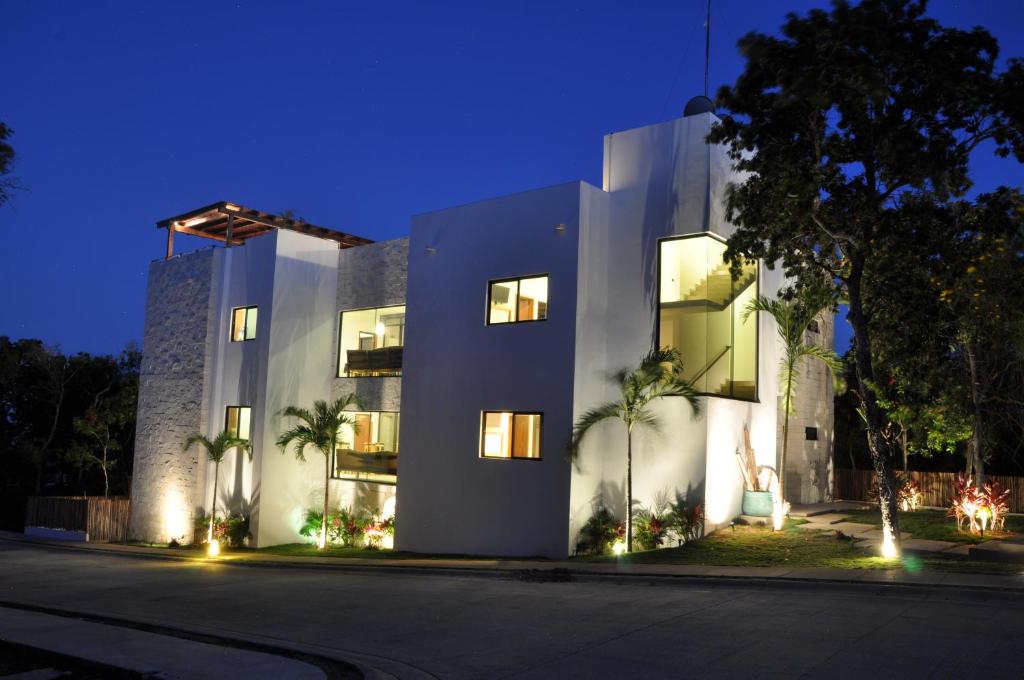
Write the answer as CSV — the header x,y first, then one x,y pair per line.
x,y
237,421
811,434
813,326
507,434
243,324
517,300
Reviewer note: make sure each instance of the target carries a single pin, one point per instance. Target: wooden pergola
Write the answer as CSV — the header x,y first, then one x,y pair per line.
x,y
233,224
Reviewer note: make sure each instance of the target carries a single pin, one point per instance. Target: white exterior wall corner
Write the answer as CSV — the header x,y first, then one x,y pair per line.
x,y
374,275
173,395
238,370
450,499
299,370
663,180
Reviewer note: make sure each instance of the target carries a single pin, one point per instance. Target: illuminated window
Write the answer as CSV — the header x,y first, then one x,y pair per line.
x,y
505,434
369,450
370,342
236,423
701,314
243,324
517,300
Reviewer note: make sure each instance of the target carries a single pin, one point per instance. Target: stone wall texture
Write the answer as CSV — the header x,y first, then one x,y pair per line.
x,y
809,462
172,395
371,276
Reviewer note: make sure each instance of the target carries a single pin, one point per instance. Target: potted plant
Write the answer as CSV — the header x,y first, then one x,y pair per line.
x,y
758,501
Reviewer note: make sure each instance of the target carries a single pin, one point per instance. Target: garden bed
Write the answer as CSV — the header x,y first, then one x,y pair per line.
x,y
759,546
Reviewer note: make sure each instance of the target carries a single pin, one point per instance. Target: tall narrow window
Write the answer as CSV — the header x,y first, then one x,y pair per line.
x,y
368,450
243,324
237,421
516,300
702,314
370,342
508,434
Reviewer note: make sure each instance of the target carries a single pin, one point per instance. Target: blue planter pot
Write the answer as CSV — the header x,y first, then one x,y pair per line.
x,y
758,503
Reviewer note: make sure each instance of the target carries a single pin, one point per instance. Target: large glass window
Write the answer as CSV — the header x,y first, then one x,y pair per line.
x,y
370,342
516,300
507,434
368,451
237,421
701,314
243,324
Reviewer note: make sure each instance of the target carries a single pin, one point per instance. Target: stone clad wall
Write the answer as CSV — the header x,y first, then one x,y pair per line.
x,y
172,395
371,276
809,463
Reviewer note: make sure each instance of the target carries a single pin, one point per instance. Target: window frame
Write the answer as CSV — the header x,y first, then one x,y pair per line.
x,y
245,323
511,443
334,454
227,418
518,280
757,315
338,373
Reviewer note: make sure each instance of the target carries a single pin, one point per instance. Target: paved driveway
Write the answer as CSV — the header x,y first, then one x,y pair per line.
x,y
489,627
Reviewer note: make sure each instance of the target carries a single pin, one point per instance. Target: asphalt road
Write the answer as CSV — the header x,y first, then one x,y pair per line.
x,y
502,627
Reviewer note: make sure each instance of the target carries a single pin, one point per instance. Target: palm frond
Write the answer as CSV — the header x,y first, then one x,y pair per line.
x,y
588,420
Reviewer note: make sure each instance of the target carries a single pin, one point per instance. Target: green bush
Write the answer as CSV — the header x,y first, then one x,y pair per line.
x,y
599,533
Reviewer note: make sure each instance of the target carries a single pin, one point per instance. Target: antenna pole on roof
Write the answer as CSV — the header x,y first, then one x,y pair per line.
x,y
707,47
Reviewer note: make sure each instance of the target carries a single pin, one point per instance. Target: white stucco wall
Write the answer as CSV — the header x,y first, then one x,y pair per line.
x,y
450,499
661,180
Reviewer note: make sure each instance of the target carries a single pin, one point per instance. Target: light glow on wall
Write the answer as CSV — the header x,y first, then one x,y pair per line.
x,y
174,515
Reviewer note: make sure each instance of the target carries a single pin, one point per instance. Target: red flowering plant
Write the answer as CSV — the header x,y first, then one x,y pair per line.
x,y
982,508
649,528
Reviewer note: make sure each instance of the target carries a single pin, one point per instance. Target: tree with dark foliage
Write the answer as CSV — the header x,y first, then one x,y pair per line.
x,y
836,123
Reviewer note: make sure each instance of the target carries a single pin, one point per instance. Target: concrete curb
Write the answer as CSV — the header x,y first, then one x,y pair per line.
x,y
560,571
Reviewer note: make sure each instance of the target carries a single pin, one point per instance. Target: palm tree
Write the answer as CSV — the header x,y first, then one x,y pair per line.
x,y
215,450
792,319
319,428
660,374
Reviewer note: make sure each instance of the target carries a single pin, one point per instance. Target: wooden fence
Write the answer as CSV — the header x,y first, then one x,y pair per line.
x,y
936,487
102,519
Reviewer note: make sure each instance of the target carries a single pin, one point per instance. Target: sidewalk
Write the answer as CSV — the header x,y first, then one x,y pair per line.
x,y
549,570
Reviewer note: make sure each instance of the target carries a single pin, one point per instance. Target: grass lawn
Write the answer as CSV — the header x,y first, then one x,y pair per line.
x,y
934,525
759,546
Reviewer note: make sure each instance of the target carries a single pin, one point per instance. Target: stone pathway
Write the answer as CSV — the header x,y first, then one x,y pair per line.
x,y
829,517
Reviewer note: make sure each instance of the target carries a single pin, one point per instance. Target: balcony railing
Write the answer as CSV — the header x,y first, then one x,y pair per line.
x,y
383,362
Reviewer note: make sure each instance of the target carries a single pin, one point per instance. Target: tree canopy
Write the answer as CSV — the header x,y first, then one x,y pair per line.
x,y
840,125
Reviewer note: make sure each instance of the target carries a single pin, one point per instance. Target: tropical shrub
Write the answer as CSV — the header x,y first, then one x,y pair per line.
x,y
981,508
599,533
232,531
908,492
686,519
349,528
650,528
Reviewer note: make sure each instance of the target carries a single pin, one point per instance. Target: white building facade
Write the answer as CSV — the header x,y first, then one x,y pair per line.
x,y
474,345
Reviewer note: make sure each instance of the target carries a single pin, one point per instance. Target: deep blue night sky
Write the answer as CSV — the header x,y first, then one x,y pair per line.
x,y
354,117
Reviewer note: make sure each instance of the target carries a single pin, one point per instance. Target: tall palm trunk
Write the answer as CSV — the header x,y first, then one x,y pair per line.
x,y
213,509
629,489
785,436
327,492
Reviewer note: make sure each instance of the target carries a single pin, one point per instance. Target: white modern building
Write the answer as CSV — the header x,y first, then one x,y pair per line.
x,y
474,345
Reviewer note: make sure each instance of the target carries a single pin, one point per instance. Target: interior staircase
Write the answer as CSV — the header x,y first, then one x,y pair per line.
x,y
738,389
717,290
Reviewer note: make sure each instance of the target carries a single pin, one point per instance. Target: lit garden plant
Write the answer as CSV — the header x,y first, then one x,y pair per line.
x,y
318,428
216,449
